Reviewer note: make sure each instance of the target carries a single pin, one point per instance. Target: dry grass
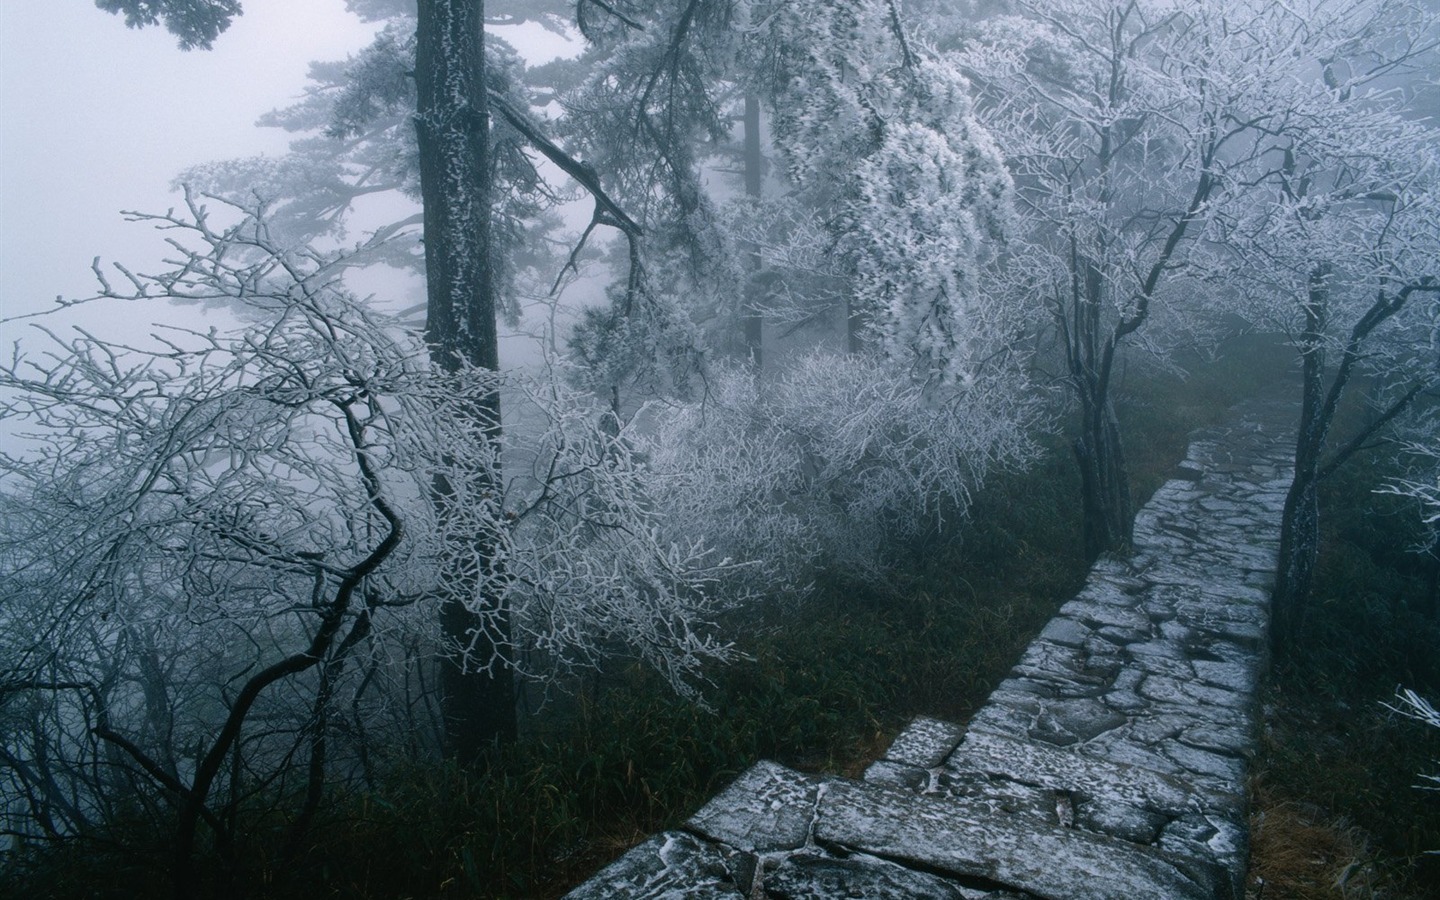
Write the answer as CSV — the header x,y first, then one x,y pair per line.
x,y
1300,852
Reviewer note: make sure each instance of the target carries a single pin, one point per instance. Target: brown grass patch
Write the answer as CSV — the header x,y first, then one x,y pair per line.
x,y
1299,852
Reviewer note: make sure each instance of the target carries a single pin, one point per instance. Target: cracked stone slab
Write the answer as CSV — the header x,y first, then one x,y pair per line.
x,y
1022,855
1115,615
1119,820
1061,720
897,776
669,866
1063,770
1224,840
1203,612
1165,689
817,876
1235,740
1065,631
1205,762
769,807
1113,590
1233,676
925,743
1154,660
997,794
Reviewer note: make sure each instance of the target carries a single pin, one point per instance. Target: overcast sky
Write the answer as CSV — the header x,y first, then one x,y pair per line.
x,y
95,118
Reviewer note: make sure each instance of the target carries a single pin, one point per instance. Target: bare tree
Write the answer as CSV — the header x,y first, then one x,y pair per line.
x,y
1119,147
219,537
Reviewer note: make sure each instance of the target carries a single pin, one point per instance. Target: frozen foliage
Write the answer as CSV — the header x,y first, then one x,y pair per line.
x,y
891,194
1413,706
832,463
648,112
197,23
1344,189
1422,483
883,134
225,547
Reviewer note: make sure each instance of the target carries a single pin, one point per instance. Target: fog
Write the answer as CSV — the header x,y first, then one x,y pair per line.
x,y
911,306
99,118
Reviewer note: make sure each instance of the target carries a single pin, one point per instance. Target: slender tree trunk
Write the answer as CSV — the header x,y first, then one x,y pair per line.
x,y
753,321
1300,520
1299,551
1106,506
1106,503
453,125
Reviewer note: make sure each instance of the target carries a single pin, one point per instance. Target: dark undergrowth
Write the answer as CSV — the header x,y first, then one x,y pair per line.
x,y
828,683
1338,810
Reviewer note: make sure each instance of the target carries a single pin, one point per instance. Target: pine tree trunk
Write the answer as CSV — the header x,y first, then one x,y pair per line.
x,y
452,125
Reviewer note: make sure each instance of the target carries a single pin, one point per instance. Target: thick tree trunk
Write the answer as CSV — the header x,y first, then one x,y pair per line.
x,y
452,124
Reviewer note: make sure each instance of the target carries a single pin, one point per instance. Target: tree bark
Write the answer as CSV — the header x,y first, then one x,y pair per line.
x,y
1300,519
1107,508
453,124
1104,480
753,322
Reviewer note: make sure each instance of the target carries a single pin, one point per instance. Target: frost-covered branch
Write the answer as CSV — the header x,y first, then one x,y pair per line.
x,y
202,528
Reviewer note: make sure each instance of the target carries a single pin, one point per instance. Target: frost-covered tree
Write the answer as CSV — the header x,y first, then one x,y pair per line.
x,y
1337,232
355,144
831,463
894,199
881,136
894,193
1119,139
224,551
652,112
451,99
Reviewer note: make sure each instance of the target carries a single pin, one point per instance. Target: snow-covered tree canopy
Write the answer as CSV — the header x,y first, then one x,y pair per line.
x,y
879,135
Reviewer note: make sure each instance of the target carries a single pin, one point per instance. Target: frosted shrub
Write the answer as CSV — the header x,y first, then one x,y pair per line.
x,y
834,459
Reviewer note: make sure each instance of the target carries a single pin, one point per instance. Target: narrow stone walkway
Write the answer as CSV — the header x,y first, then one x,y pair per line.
x,y
1111,764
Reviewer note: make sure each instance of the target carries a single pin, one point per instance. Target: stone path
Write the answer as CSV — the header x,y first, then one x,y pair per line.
x,y
1110,764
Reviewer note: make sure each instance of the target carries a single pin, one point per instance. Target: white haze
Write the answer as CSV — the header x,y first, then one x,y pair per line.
x,y
96,118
